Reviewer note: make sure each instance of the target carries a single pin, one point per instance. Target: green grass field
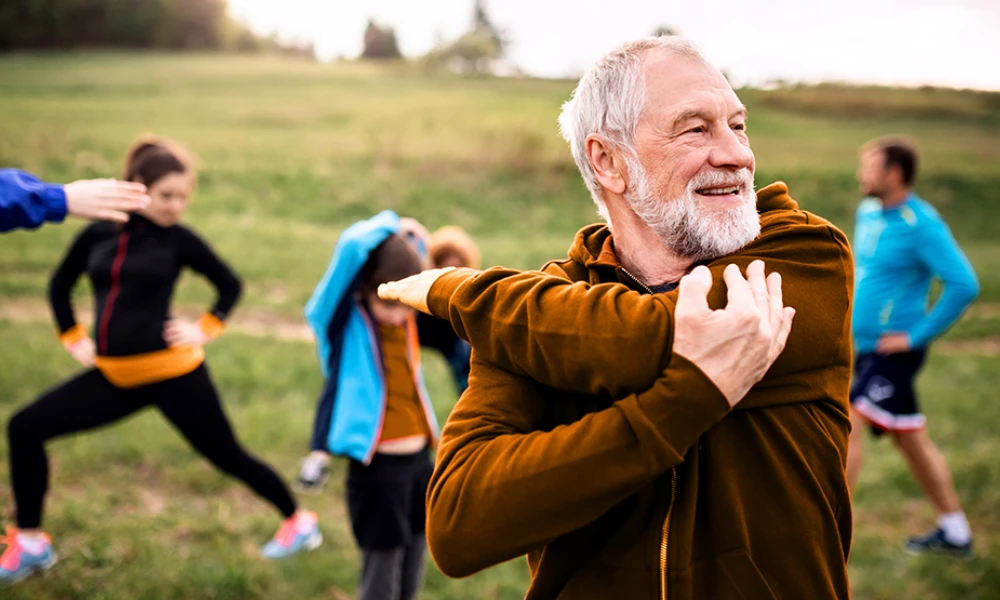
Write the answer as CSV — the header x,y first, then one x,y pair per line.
x,y
292,152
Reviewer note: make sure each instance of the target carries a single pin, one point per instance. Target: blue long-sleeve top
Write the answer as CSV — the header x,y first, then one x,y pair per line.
x,y
898,252
26,201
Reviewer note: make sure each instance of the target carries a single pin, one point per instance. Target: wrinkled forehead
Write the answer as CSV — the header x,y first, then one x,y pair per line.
x,y
677,84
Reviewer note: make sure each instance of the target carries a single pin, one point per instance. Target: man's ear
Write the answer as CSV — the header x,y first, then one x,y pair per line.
x,y
608,165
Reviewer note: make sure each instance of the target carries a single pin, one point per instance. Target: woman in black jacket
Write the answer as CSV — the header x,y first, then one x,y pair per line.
x,y
139,356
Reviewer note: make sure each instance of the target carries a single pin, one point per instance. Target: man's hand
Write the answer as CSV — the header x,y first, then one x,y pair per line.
x,y
179,332
734,346
104,199
413,290
893,343
83,352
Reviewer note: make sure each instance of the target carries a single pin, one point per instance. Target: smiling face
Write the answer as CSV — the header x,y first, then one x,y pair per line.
x,y
692,178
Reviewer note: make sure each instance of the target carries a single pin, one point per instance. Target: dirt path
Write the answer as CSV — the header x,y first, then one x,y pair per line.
x,y
264,324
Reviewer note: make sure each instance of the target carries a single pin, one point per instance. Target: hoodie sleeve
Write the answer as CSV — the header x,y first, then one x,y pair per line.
x,y
607,338
499,483
27,202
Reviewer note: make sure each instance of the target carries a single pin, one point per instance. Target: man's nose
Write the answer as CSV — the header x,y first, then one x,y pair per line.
x,y
730,151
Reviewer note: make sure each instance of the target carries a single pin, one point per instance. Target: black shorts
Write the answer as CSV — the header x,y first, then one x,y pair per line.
x,y
386,499
882,391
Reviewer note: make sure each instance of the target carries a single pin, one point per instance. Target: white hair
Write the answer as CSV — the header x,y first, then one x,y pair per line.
x,y
609,100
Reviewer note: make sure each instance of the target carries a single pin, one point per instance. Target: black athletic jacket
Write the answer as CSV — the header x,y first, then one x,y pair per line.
x,y
133,270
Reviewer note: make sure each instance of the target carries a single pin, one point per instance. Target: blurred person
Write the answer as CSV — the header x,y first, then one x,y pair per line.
x,y
901,245
27,202
374,408
414,232
634,442
142,357
449,246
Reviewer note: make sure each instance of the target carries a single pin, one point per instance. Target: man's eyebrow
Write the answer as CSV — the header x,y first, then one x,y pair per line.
x,y
694,113
687,115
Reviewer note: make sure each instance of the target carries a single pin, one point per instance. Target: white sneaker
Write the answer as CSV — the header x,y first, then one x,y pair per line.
x,y
313,474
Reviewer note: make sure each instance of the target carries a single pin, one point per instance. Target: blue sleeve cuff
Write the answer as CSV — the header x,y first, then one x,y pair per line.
x,y
54,198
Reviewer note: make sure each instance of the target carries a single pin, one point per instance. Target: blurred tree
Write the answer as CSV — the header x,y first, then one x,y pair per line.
x,y
663,30
476,51
380,42
175,24
484,27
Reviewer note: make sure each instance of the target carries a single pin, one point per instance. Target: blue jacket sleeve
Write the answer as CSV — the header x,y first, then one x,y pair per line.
x,y
27,202
350,255
940,254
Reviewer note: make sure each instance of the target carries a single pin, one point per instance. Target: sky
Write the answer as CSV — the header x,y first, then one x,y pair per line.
x,y
897,42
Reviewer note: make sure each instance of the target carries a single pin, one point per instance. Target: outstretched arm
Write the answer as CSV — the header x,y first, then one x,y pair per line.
x,y
27,202
607,338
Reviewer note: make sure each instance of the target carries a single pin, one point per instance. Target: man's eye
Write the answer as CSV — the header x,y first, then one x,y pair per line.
x,y
698,129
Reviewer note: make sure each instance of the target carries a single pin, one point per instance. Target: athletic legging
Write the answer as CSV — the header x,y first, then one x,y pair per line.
x,y
189,402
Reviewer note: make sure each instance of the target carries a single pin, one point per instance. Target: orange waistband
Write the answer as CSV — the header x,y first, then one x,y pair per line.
x,y
151,367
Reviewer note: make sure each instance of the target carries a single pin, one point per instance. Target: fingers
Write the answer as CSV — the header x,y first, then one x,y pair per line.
x,y
129,187
758,287
787,316
127,204
177,333
775,299
692,293
389,291
84,353
413,290
115,216
738,289
122,189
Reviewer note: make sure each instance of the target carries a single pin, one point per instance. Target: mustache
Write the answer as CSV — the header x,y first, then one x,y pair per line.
x,y
718,178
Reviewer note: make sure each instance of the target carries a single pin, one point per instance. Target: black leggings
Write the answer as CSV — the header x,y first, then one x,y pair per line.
x,y
189,402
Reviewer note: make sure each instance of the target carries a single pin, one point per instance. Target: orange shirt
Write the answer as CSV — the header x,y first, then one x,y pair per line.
x,y
404,414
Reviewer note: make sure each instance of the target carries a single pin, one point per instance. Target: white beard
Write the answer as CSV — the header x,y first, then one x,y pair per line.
x,y
685,227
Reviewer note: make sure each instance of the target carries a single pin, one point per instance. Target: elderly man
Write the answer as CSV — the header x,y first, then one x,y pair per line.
x,y
610,434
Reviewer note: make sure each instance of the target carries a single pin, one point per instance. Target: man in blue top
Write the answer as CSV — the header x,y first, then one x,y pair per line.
x,y
901,245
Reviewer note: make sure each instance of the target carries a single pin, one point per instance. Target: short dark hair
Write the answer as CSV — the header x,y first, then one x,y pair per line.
x,y
392,260
898,152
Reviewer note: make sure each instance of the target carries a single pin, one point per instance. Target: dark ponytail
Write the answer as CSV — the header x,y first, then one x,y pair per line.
x,y
151,158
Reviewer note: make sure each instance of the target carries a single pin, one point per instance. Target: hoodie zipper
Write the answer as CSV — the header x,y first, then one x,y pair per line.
x,y
636,280
665,529
109,302
665,536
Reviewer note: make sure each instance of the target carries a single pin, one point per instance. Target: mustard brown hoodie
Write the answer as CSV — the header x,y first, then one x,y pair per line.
x,y
619,468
